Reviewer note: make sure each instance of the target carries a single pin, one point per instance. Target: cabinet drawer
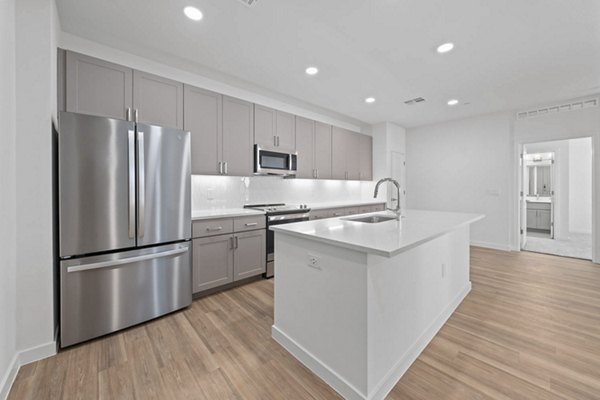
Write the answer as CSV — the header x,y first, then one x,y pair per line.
x,y
379,207
338,212
249,223
211,227
538,206
319,214
352,210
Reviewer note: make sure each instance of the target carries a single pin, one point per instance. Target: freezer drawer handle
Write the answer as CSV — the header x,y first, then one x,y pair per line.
x,y
129,260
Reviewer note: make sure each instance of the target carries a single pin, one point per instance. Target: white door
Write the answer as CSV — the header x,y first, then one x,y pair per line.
x,y
524,188
398,173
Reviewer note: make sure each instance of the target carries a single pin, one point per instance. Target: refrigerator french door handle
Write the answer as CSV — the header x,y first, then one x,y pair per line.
x,y
141,184
131,170
128,260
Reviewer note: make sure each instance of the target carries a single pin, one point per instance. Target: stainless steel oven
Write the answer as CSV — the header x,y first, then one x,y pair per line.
x,y
270,161
277,214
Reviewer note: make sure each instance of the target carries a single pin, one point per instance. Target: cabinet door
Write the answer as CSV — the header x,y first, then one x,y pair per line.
x,y
238,123
339,144
203,118
264,126
97,87
305,134
158,101
212,262
543,220
532,219
322,146
353,156
286,131
366,158
250,254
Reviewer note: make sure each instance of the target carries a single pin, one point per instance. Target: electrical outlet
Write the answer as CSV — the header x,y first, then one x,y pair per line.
x,y
314,261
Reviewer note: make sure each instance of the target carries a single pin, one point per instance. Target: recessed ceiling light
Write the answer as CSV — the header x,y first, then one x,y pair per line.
x,y
312,70
370,100
452,102
444,48
193,13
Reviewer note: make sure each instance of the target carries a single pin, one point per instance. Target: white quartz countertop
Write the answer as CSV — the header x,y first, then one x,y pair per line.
x,y
340,204
384,238
224,213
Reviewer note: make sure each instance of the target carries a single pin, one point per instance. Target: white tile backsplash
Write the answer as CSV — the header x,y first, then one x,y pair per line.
x,y
231,192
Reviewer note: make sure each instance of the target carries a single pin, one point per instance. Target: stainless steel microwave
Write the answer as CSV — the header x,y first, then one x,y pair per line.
x,y
272,161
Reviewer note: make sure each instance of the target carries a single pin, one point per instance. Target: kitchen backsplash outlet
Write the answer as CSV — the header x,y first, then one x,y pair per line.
x,y
232,192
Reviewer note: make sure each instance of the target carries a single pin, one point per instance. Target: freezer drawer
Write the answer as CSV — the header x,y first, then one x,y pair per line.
x,y
103,294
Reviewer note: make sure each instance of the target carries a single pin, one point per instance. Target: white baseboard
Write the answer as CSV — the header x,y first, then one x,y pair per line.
x,y
490,245
382,389
338,383
21,358
393,376
9,377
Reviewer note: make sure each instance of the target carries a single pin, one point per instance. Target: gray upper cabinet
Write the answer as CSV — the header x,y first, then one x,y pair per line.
x,y
322,142
353,156
339,145
158,101
285,128
238,124
250,249
366,158
305,135
212,262
203,116
265,126
274,128
97,87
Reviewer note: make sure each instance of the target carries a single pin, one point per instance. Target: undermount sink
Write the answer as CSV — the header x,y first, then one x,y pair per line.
x,y
372,219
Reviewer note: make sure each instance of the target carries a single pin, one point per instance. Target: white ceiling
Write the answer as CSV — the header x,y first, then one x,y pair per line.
x,y
509,54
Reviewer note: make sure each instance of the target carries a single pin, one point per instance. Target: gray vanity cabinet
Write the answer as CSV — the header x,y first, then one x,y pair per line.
x,y
322,161
96,87
305,146
212,262
158,100
203,113
539,216
238,124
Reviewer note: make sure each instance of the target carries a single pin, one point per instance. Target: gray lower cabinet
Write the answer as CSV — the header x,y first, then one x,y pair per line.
x,y
96,87
158,100
250,254
238,128
235,251
343,211
212,262
203,117
539,216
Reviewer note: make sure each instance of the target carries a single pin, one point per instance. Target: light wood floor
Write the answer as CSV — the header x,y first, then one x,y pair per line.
x,y
529,329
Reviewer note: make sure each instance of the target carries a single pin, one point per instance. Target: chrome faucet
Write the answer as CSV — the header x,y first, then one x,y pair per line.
x,y
395,182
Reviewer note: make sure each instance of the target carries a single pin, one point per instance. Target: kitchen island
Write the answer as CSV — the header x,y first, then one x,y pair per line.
x,y
357,302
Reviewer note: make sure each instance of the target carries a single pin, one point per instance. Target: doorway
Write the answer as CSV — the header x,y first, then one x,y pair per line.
x,y
556,197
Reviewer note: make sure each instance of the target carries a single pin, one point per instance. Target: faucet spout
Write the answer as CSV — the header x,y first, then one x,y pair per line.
x,y
396,210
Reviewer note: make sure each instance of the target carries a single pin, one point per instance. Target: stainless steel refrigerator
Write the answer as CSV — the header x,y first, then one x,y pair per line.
x,y
124,224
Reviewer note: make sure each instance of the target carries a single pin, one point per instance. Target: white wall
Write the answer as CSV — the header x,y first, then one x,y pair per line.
x,y
387,138
560,148
35,101
580,185
464,165
8,300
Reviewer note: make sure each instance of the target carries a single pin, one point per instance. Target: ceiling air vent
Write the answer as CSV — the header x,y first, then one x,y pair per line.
x,y
414,101
558,108
249,3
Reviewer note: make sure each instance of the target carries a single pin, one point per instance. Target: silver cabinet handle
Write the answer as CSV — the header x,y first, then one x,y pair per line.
x,y
225,169
128,113
128,260
275,141
252,224
236,241
337,214
221,167
317,173
136,115
231,242
216,228
131,171
141,184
